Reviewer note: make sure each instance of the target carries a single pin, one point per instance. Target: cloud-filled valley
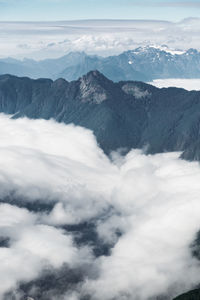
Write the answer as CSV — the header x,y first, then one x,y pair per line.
x,y
118,227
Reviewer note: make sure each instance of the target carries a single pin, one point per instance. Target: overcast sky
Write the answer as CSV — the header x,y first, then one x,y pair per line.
x,y
175,23
40,40
33,10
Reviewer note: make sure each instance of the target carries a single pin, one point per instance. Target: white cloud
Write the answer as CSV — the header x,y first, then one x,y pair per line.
x,y
53,39
146,206
33,246
187,84
160,208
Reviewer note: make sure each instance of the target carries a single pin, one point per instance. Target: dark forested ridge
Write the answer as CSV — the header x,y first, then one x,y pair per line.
x,y
122,115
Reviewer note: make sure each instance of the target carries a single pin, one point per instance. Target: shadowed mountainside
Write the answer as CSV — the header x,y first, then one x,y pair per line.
x,y
122,115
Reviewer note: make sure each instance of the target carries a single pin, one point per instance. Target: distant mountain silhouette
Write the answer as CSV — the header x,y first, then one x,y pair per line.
x,y
143,64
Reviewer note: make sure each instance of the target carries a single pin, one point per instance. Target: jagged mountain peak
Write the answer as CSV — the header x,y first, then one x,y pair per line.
x,y
122,115
60,82
153,49
94,87
192,51
94,75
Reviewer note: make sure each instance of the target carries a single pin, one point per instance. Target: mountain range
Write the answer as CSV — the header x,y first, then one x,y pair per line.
x,y
122,115
142,64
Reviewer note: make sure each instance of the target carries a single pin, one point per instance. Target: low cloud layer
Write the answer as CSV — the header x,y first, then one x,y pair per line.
x,y
187,84
53,39
144,209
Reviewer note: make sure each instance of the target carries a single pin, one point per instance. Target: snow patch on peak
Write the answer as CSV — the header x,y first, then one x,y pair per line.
x,y
164,48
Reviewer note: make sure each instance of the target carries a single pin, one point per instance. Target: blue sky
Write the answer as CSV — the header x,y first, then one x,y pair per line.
x,y
38,10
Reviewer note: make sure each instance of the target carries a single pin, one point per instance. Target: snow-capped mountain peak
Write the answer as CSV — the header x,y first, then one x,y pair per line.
x,y
164,48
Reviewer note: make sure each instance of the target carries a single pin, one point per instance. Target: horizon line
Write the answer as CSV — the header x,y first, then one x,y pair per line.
x,y
93,20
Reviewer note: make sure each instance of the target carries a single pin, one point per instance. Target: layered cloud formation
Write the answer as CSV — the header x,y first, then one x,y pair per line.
x,y
52,39
62,198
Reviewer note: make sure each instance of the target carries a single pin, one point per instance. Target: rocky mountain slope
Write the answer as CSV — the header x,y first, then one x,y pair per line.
x,y
122,115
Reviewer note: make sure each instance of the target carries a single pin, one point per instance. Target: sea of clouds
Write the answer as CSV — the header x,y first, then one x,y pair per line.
x,y
144,208
40,40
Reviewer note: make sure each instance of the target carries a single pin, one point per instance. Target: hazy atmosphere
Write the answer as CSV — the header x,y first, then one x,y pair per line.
x,y
40,40
99,150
